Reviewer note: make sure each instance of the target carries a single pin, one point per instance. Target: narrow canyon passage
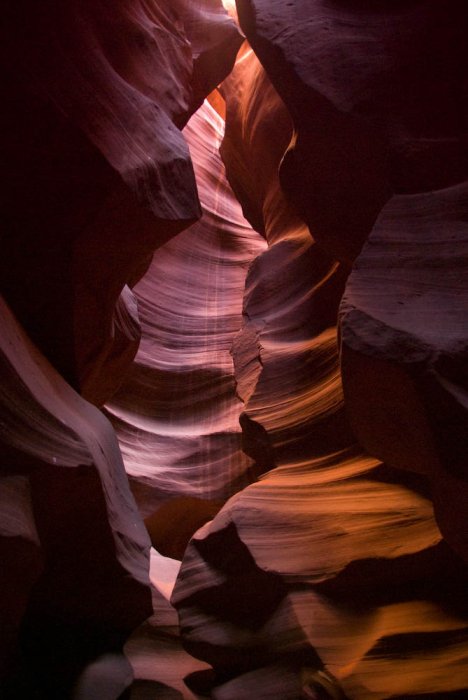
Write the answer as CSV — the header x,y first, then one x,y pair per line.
x,y
233,350
177,413
322,570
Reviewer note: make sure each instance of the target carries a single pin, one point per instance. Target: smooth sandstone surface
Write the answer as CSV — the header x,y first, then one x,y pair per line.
x,y
95,176
96,173
177,413
404,347
333,561
288,389
376,92
82,552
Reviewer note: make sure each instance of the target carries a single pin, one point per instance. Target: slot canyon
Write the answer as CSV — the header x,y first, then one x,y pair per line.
x,y
234,350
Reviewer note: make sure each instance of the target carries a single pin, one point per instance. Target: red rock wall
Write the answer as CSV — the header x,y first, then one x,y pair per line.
x,y
315,578
177,413
96,174
305,366
96,171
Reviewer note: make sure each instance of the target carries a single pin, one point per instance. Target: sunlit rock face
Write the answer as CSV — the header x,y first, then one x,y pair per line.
x,y
318,570
377,93
312,582
177,413
404,352
96,174
97,93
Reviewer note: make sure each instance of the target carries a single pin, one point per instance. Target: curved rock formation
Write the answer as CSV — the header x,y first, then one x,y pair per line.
x,y
405,346
310,582
363,84
177,413
377,93
76,549
97,93
95,176
318,570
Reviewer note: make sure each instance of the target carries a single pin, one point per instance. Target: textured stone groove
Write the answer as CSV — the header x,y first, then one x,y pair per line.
x,y
96,95
332,525
69,499
329,573
96,175
404,328
177,414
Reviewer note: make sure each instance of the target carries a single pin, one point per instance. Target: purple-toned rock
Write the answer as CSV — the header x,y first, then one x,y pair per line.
x,y
333,562
96,173
177,412
377,93
405,347
75,574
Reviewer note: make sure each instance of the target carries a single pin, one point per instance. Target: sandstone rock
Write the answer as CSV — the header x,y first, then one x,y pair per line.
x,y
177,413
171,527
85,574
286,347
404,347
95,176
364,84
105,679
345,550
329,572
96,94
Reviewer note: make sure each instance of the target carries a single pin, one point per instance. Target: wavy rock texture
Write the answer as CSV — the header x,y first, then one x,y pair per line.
x,y
313,581
96,94
377,95
177,413
363,84
74,542
404,330
367,76
329,575
95,176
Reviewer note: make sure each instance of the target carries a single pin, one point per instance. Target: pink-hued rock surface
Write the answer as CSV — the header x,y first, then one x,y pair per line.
x,y
264,295
96,173
315,578
82,552
177,413
405,343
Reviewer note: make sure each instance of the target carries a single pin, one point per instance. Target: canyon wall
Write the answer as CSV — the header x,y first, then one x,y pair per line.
x,y
96,174
311,581
266,302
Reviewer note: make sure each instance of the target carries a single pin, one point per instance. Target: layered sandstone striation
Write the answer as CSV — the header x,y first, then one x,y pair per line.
x,y
177,412
378,99
74,550
313,580
96,174
288,389
97,95
404,347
